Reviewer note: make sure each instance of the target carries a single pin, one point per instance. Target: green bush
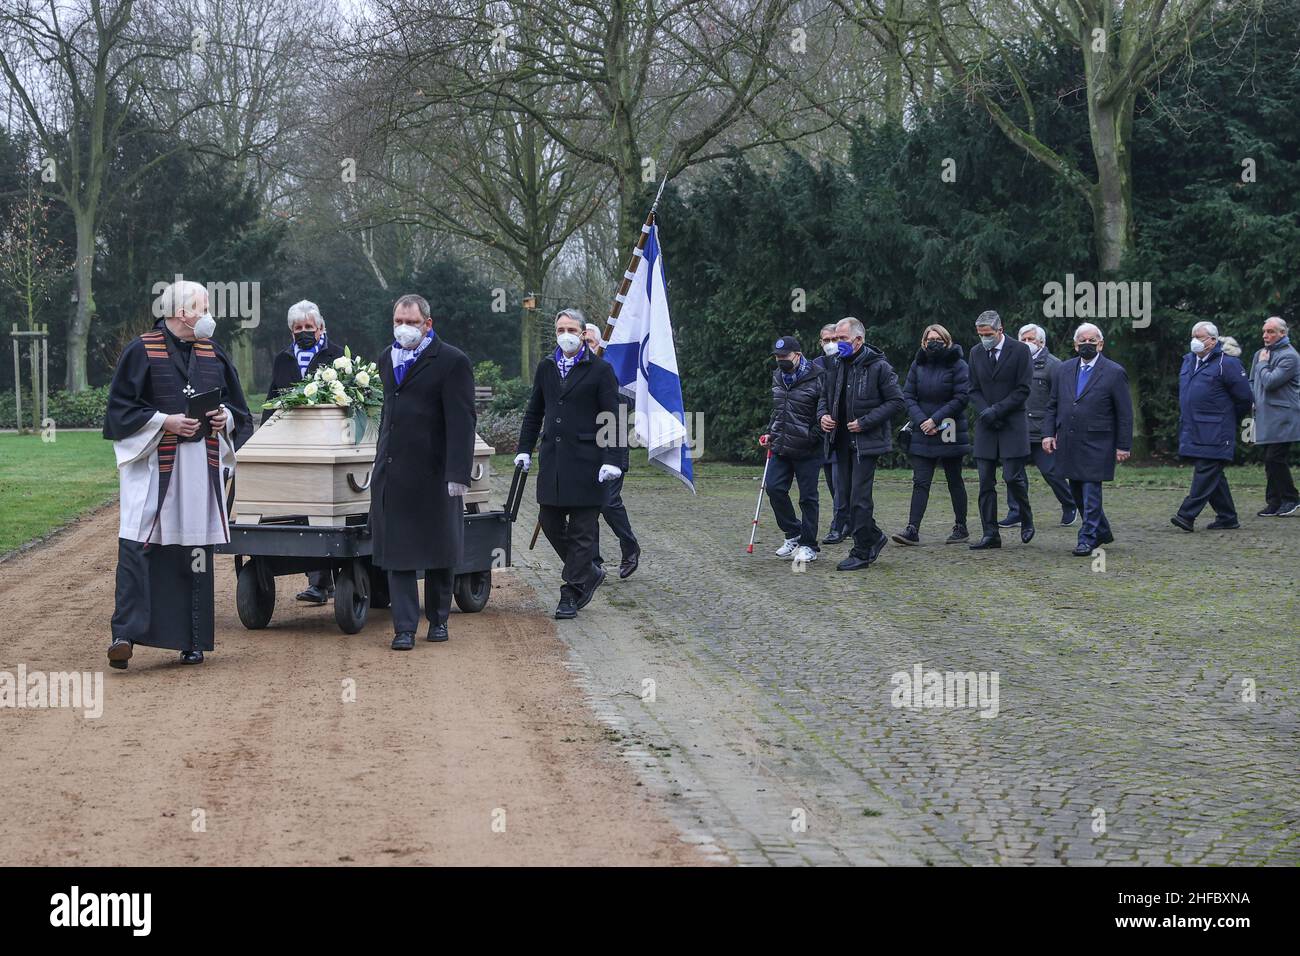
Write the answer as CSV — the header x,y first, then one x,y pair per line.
x,y
68,410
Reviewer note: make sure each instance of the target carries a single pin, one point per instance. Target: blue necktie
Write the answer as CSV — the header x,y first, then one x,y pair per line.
x,y
1084,372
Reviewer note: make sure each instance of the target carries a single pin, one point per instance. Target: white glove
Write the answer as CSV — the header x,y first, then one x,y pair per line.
x,y
523,458
455,489
608,472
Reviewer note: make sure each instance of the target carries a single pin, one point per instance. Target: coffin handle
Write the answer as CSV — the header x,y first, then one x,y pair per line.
x,y
476,472
352,483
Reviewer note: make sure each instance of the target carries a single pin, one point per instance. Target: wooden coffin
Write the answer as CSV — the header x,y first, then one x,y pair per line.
x,y
304,463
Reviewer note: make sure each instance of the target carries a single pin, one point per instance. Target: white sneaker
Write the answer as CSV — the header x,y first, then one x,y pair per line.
x,y
804,554
787,550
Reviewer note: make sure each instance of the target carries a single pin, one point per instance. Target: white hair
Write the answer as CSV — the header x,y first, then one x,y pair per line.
x,y
1209,328
593,326
575,314
828,327
1088,327
305,310
1040,334
856,328
181,295
1282,326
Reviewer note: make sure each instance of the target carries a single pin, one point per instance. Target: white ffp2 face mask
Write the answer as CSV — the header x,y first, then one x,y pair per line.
x,y
830,349
1197,346
408,336
568,342
205,326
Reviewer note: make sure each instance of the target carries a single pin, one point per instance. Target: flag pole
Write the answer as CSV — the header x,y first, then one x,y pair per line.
x,y
630,272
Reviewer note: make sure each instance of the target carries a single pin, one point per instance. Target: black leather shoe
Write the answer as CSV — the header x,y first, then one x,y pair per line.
x,y
1081,551
119,652
437,633
834,536
566,609
629,565
1008,522
1178,521
1218,524
591,591
404,641
1068,516
191,657
909,536
313,595
876,548
853,563
986,542
1027,534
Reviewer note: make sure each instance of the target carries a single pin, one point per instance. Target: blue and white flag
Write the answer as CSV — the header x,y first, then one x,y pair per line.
x,y
641,350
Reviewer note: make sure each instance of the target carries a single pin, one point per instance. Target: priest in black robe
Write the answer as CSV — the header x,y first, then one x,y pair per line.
x,y
172,473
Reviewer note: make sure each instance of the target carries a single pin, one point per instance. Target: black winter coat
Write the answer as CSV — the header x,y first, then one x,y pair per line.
x,y
426,439
872,396
285,374
1003,388
1040,393
793,427
568,414
938,388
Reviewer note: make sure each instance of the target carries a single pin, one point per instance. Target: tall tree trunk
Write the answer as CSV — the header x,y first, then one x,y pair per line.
x,y
1112,210
79,330
241,355
893,62
531,321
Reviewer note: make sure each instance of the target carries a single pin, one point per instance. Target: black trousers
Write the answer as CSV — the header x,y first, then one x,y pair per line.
x,y
855,485
1280,486
781,473
323,579
573,534
404,597
923,475
1046,465
164,596
615,515
839,519
1013,473
1209,483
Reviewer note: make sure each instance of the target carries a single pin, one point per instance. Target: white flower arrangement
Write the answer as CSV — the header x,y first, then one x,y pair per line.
x,y
352,383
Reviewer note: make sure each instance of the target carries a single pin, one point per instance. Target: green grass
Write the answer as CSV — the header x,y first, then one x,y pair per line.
x,y
45,485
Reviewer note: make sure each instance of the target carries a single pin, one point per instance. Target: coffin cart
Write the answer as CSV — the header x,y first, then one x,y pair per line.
x,y
267,542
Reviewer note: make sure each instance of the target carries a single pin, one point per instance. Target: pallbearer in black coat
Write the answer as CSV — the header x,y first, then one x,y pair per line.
x,y
311,349
1001,375
572,388
1087,428
422,470
615,512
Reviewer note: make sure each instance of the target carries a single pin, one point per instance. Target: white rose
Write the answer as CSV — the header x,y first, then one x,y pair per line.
x,y
341,398
329,375
362,379
310,390
344,363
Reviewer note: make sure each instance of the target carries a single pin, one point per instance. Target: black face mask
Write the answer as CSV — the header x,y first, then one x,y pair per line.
x,y
785,365
304,340
1087,351
934,347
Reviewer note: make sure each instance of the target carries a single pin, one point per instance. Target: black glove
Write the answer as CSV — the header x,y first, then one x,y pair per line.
x,y
989,419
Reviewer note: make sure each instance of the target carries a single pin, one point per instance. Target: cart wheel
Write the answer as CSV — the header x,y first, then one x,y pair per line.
x,y
378,588
350,604
254,602
472,591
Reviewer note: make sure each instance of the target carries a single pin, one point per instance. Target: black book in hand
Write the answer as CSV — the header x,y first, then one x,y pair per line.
x,y
198,406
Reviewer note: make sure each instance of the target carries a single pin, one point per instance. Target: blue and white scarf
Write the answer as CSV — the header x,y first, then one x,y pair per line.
x,y
304,356
403,359
789,377
564,363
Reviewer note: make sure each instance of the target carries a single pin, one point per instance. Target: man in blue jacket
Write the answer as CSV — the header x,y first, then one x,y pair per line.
x,y
1088,427
1213,397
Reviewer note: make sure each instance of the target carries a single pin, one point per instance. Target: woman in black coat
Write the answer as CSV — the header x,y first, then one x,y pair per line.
x,y
937,391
